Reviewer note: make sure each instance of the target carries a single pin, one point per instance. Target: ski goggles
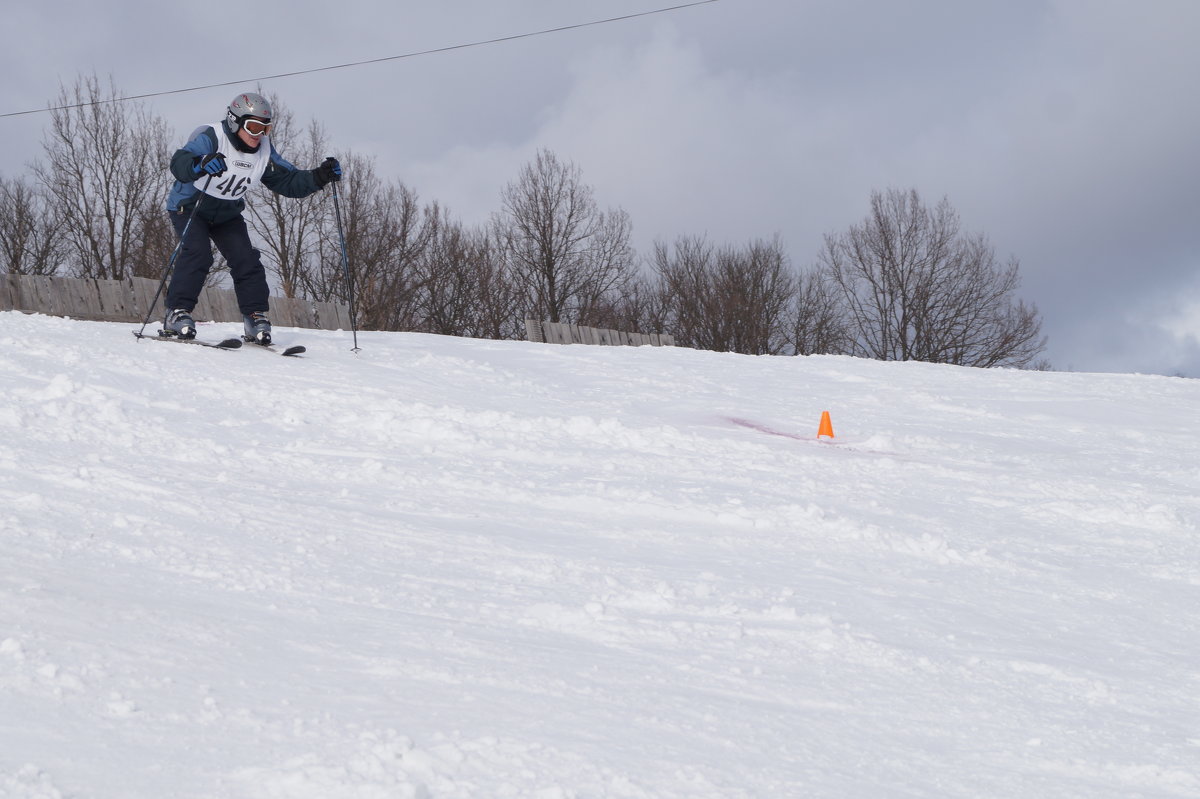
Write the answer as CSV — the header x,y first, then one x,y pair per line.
x,y
256,127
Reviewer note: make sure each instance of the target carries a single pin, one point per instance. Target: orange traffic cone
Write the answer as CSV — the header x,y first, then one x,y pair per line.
x,y
826,428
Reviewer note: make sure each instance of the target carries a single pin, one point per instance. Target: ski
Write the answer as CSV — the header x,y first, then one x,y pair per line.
x,y
226,344
288,352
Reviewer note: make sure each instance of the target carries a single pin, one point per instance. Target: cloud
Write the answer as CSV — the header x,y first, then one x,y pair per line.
x,y
1046,125
1063,129
682,147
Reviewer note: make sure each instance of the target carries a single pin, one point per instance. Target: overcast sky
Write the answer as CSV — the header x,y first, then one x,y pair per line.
x,y
1066,131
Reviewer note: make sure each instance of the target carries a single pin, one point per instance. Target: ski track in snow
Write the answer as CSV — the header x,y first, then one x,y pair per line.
x,y
460,568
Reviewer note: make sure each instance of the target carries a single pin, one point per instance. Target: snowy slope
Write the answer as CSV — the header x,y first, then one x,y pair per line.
x,y
460,568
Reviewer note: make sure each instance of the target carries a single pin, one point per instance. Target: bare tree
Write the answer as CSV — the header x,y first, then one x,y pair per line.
x,y
685,283
638,307
728,299
157,239
386,233
818,326
560,248
104,169
29,239
498,313
759,281
914,287
290,230
466,290
450,271
611,272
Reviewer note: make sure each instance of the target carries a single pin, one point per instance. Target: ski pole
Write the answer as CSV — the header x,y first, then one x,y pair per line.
x,y
174,255
337,212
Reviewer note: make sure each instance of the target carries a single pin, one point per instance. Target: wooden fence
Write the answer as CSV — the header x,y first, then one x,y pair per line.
x,y
563,333
129,301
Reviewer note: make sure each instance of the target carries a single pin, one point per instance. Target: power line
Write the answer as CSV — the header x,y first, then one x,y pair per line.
x,y
416,54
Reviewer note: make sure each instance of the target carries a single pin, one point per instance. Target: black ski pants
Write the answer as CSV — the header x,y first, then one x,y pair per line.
x,y
196,259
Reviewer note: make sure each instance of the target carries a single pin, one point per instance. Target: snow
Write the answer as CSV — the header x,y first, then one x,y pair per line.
x,y
453,568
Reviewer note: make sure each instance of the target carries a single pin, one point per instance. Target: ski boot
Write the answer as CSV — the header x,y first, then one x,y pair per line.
x,y
257,328
179,323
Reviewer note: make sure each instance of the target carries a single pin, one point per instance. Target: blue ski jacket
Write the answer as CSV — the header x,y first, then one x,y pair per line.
x,y
280,177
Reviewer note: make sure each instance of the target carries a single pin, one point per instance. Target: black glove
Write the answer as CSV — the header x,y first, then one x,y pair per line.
x,y
330,171
211,164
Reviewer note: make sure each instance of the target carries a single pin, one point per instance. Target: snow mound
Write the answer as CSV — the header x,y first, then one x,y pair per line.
x,y
460,568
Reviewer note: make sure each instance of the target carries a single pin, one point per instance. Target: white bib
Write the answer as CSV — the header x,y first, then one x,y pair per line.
x,y
242,170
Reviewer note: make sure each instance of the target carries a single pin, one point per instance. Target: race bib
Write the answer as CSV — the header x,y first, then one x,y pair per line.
x,y
242,170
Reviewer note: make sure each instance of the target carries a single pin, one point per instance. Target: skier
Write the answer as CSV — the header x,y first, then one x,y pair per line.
x,y
213,172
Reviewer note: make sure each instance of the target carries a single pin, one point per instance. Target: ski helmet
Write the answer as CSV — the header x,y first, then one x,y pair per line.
x,y
248,106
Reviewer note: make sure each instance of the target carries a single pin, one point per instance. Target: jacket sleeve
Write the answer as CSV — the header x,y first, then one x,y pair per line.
x,y
283,178
203,142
